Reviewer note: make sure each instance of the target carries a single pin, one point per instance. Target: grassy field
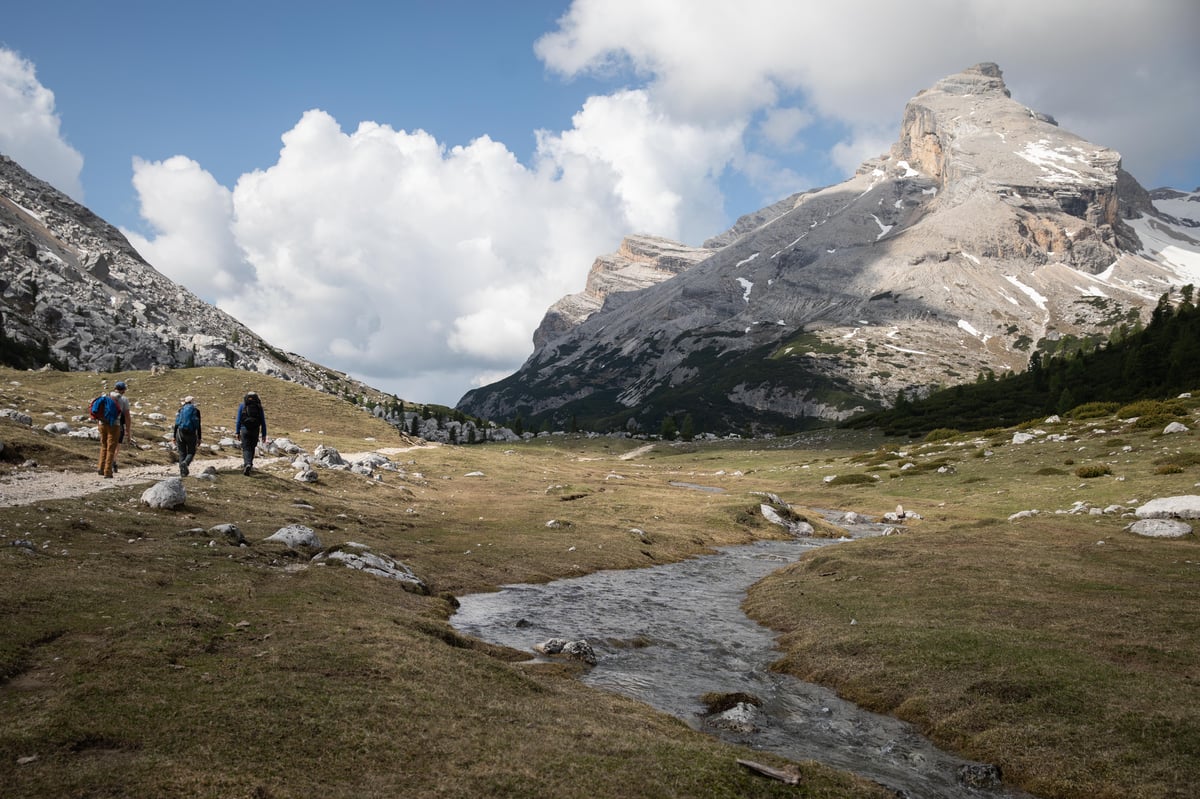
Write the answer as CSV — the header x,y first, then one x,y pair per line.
x,y
139,657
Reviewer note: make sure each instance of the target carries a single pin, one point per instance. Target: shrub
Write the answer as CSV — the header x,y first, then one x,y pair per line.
x,y
1093,410
851,479
1153,421
1183,459
1092,470
1161,408
1169,468
941,434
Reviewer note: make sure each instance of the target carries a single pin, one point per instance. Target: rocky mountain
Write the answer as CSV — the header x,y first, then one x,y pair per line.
x,y
75,293
986,233
641,261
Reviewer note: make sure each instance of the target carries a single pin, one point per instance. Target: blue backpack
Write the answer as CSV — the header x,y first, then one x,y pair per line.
x,y
105,409
188,418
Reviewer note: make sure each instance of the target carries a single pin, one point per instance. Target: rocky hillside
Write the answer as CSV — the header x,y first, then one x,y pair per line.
x,y
75,293
985,234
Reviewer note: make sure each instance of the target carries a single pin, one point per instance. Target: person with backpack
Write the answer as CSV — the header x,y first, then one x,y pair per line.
x,y
187,433
251,422
107,413
122,401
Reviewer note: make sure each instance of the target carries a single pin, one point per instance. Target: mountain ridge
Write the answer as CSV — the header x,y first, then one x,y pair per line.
x,y
76,291
986,233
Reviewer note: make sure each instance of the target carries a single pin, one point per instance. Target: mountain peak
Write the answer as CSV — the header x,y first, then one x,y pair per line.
x,y
982,78
985,235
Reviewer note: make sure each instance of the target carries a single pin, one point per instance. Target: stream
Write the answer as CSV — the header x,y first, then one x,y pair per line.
x,y
666,635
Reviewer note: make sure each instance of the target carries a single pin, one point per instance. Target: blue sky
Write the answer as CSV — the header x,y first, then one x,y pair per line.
x,y
400,189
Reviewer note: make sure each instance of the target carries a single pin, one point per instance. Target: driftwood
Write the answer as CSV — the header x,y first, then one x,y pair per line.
x,y
790,777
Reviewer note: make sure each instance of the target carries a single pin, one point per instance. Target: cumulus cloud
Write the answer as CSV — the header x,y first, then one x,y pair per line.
x,y
31,135
424,266
415,265
854,64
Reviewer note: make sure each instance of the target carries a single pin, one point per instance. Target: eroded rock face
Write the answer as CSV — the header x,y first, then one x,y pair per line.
x,y
985,232
640,261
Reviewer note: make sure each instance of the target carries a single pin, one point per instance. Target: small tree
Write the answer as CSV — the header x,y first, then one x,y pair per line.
x,y
668,430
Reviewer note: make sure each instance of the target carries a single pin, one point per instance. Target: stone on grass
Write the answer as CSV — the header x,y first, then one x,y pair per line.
x,y
357,556
1160,528
1175,427
1181,507
168,494
296,536
230,532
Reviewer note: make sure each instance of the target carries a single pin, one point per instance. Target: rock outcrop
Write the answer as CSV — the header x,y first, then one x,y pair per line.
x,y
641,261
986,234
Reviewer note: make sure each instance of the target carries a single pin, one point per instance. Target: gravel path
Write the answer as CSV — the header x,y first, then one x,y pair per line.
x,y
36,485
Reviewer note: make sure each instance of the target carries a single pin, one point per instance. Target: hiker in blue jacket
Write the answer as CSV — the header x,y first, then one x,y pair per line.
x,y
187,433
251,424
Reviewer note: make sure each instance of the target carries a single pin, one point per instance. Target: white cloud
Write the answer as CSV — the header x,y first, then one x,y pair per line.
x,y
1108,69
782,126
391,256
30,134
192,213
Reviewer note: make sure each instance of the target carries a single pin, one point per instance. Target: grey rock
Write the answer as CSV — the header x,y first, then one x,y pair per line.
x,y
355,556
230,532
16,416
1181,507
167,494
295,536
578,650
1160,528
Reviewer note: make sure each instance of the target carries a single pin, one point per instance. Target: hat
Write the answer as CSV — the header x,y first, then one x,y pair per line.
x,y
120,386
186,400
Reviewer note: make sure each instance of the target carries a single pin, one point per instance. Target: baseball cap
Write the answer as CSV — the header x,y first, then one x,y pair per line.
x,y
120,385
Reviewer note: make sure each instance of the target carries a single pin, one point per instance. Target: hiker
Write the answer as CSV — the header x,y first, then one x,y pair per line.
x,y
107,413
251,422
187,433
118,394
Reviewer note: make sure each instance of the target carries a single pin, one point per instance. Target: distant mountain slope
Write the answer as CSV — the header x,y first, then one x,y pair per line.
x,y
75,291
986,234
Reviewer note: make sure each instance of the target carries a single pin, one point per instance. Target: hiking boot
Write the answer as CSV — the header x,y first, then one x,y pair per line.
x,y
183,470
246,469
115,469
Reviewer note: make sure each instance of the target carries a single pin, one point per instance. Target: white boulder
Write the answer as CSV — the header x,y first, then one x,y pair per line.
x,y
296,536
168,494
1160,528
1181,507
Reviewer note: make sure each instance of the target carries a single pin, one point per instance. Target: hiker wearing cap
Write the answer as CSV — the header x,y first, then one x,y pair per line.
x,y
126,431
251,422
187,433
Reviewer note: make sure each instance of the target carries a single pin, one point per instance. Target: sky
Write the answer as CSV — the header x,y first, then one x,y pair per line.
x,y
400,189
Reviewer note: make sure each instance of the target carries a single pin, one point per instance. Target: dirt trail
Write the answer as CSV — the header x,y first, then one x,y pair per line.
x,y
39,484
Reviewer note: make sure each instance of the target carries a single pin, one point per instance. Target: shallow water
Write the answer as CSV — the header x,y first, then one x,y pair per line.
x,y
667,634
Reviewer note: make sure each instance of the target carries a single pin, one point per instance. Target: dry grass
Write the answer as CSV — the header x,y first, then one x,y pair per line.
x,y
139,659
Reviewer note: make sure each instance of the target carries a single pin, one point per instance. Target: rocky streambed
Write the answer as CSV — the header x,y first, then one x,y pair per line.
x,y
668,635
